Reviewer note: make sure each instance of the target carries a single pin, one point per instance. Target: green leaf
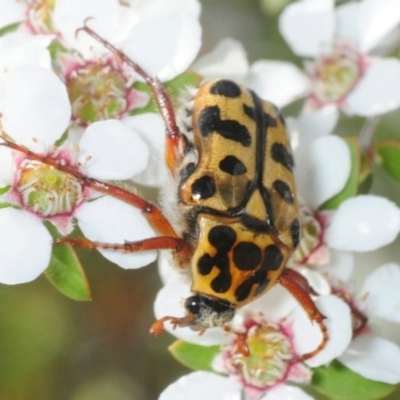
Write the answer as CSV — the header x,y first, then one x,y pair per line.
x,y
55,48
182,81
338,382
351,187
366,177
173,88
65,271
387,154
9,28
4,189
194,356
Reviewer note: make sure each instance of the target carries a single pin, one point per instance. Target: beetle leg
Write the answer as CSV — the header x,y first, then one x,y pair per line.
x,y
168,238
153,215
298,286
158,326
241,344
174,138
156,243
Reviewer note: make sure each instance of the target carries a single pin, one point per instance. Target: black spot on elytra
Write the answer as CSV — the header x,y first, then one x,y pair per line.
x,y
272,260
270,121
247,256
205,264
281,155
226,88
204,187
255,224
283,190
222,238
249,111
222,282
295,232
210,121
232,166
266,196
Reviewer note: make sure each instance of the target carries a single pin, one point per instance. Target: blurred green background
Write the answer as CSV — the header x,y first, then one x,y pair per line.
x,y
54,348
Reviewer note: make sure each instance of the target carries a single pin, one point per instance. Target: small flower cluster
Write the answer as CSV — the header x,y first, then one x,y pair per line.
x,y
63,96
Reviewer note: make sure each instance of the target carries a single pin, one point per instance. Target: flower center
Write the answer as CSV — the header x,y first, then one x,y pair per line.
x,y
46,190
98,92
40,14
270,357
335,74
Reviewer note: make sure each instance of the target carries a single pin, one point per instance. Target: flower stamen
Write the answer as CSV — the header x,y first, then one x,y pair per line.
x,y
46,190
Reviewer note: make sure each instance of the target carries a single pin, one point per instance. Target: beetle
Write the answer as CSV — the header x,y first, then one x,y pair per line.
x,y
229,157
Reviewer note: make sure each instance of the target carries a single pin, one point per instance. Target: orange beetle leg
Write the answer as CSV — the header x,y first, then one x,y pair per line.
x,y
298,286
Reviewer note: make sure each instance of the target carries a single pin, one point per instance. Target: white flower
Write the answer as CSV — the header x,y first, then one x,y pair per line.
x,y
268,78
340,41
162,43
207,385
275,324
369,354
323,165
40,191
163,37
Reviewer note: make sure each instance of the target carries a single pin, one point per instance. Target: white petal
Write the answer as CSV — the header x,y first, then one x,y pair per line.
x,y
363,223
278,81
380,293
69,15
21,38
202,385
323,169
307,25
376,19
373,358
347,26
18,49
228,59
170,302
168,272
110,150
112,221
319,122
316,280
6,167
41,98
308,336
340,266
151,128
150,8
25,246
284,392
312,125
11,12
164,45
378,91
275,305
